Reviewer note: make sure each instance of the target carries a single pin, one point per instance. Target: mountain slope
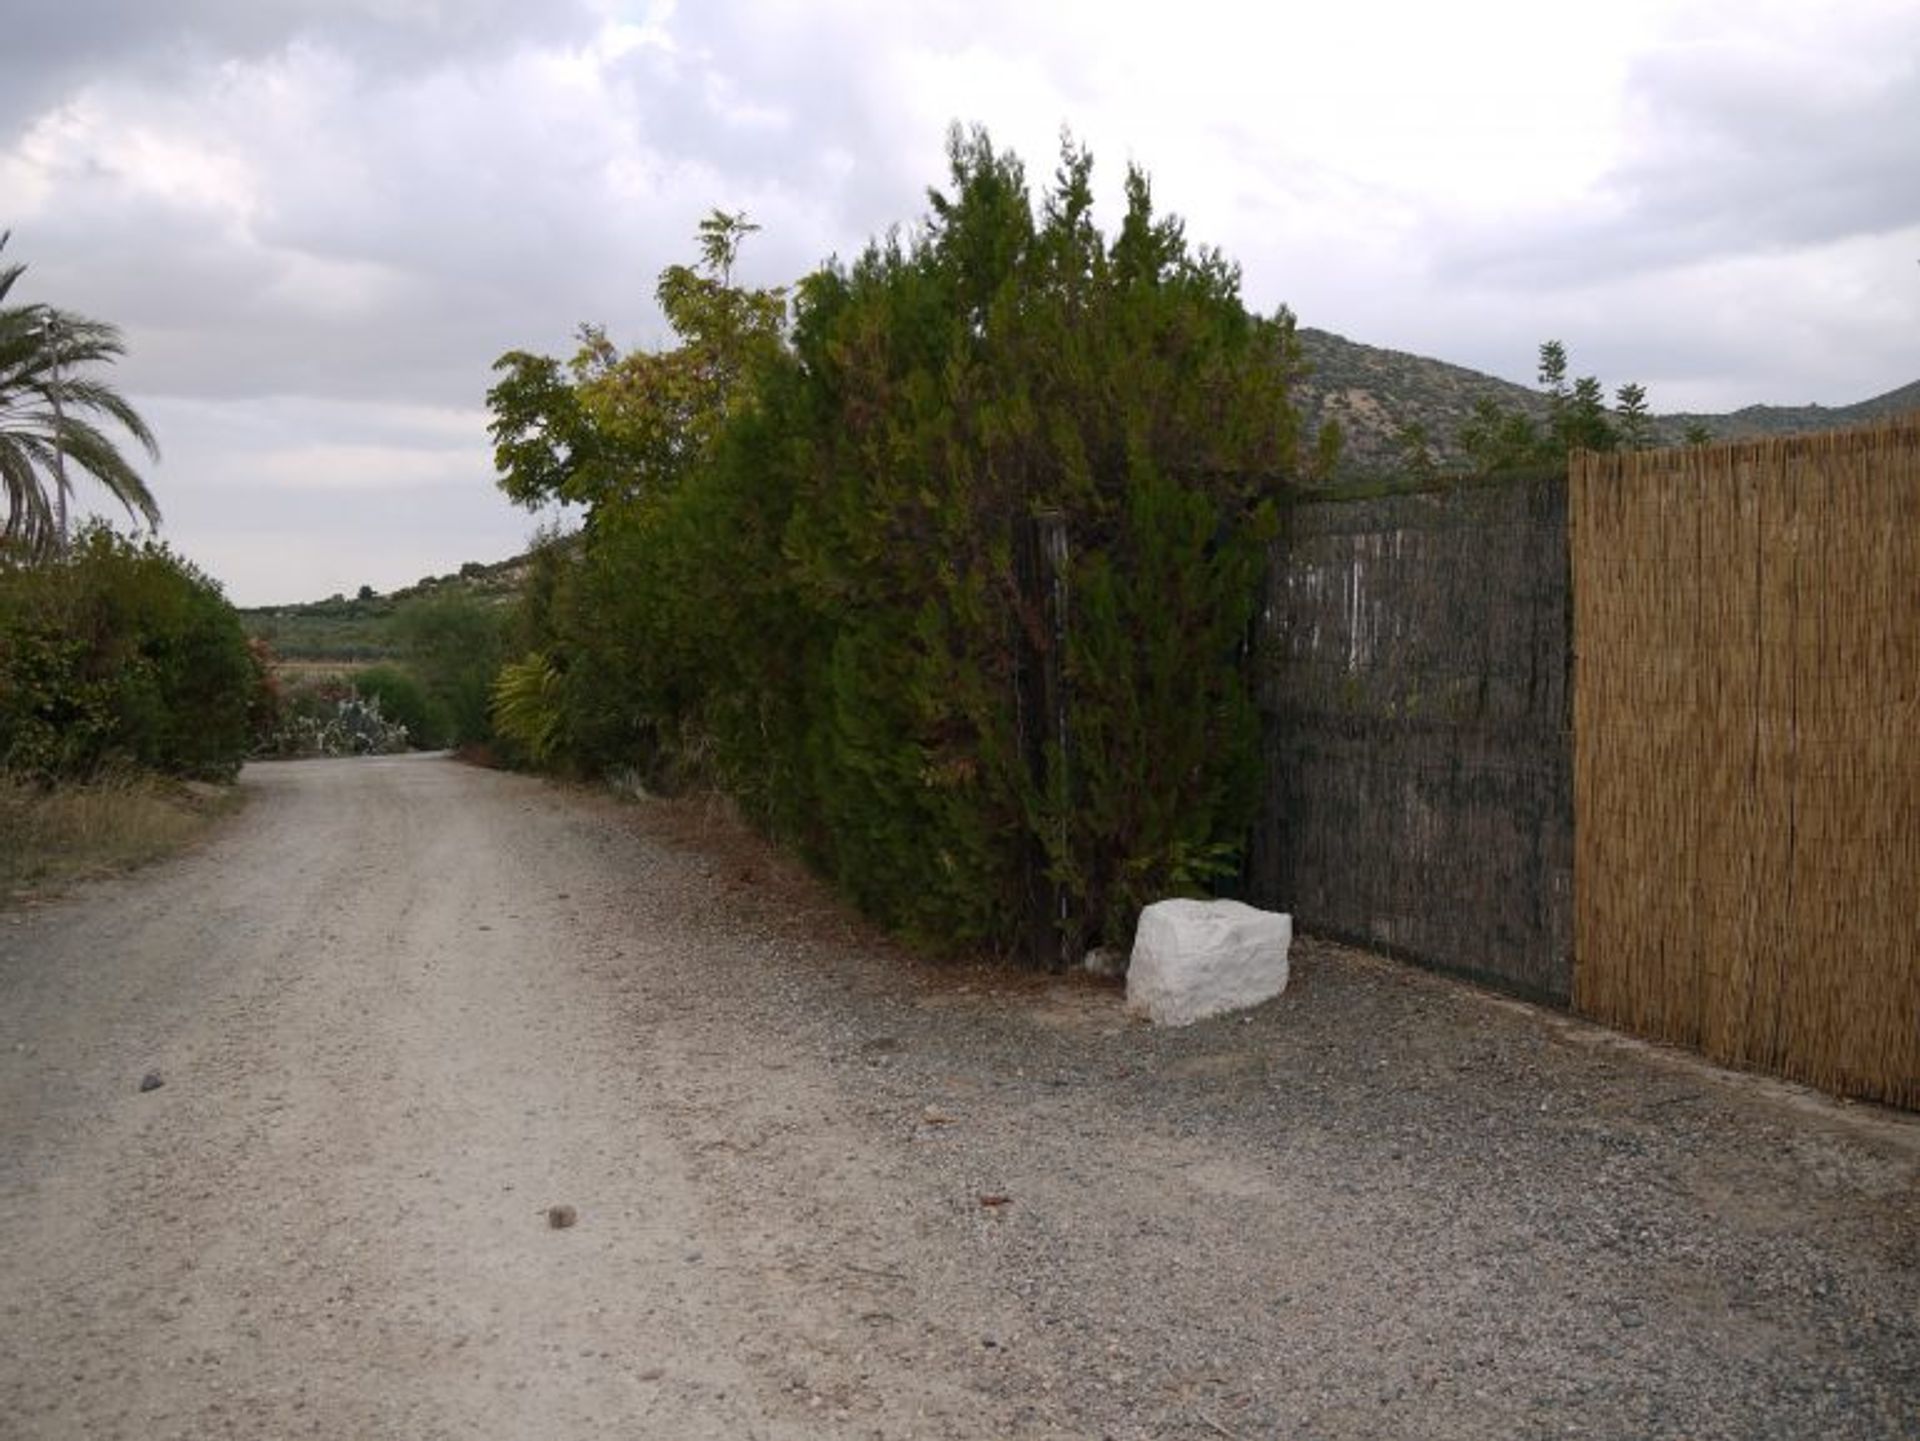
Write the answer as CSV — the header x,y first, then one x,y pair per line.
x,y
1374,393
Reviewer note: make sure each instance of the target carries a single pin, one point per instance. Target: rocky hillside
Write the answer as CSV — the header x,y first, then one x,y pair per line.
x,y
1375,393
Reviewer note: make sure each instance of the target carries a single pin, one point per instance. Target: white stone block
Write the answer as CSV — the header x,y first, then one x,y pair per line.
x,y
1193,959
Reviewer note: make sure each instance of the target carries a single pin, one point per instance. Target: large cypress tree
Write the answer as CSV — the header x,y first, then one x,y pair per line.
x,y
831,608
1000,366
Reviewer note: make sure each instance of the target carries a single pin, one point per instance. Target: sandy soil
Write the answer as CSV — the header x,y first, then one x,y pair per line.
x,y
402,1007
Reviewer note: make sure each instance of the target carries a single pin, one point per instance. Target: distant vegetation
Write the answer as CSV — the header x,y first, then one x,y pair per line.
x,y
374,673
367,627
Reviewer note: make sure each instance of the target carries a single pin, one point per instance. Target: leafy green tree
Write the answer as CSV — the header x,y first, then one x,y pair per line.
x,y
613,427
1634,424
1001,366
606,613
1698,434
1413,445
1585,424
546,449
815,583
48,397
1576,414
1553,376
1496,439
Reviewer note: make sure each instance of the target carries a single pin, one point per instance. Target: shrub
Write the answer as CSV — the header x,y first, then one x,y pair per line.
x,y
526,706
328,716
454,644
119,652
405,702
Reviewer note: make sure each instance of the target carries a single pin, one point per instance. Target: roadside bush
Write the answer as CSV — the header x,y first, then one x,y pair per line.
x,y
405,702
455,644
121,653
526,707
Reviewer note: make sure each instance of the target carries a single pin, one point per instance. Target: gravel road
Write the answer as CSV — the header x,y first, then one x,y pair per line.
x,y
400,1008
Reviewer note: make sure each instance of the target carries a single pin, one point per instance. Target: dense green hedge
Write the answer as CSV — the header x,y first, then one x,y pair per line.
x,y
822,611
121,653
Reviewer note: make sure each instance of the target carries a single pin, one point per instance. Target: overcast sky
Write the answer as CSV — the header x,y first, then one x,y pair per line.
x,y
320,221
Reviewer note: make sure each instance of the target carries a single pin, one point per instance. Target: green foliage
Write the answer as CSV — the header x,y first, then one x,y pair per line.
x,y
1413,448
1496,439
526,706
1163,774
404,702
453,644
545,449
1631,419
610,427
117,653
807,587
47,395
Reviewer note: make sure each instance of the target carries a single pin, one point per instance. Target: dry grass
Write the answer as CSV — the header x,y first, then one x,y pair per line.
x,y
1747,753
307,672
49,838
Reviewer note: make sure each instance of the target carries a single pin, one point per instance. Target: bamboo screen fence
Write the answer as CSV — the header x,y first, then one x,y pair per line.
x,y
1747,752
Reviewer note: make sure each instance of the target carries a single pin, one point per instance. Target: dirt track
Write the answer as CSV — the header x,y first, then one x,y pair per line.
x,y
401,1007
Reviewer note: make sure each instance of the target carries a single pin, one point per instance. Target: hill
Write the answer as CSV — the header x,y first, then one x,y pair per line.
x,y
363,629
1374,393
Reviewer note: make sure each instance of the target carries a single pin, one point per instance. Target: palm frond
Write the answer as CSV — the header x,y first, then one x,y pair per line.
x,y
48,394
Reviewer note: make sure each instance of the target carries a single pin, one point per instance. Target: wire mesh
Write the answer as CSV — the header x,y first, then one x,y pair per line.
x,y
1413,684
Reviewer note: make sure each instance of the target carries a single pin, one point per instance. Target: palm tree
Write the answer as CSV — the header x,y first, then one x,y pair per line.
x,y
46,399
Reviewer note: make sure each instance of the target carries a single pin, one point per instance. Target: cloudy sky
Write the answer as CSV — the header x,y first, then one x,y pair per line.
x,y
319,221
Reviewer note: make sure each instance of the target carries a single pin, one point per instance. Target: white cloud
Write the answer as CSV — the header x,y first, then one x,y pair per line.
x,y
319,221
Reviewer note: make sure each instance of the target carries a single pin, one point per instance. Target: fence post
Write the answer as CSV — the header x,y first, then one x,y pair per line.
x,y
1041,557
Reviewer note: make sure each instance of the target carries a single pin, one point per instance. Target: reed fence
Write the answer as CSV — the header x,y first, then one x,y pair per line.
x,y
1747,752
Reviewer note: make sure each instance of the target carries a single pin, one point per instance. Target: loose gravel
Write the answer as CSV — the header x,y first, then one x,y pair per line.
x,y
408,1012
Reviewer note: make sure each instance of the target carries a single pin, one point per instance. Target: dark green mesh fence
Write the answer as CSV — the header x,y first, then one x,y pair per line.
x,y
1413,668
